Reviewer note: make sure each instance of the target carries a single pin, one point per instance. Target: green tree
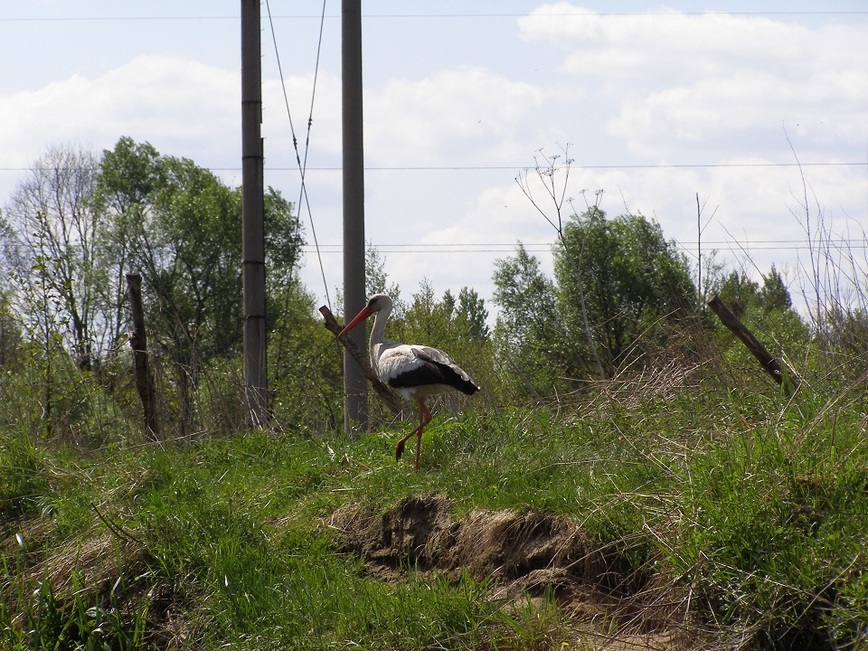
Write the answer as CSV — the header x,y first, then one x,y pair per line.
x,y
742,295
180,227
471,315
528,334
739,292
774,294
10,331
376,278
10,326
305,374
633,281
448,321
427,320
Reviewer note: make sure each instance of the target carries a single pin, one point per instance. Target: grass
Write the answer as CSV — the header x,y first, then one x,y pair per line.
x,y
749,508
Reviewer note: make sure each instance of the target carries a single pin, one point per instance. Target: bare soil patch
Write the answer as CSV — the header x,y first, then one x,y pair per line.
x,y
521,555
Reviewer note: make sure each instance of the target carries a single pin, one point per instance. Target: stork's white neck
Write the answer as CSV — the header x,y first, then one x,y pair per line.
x,y
378,332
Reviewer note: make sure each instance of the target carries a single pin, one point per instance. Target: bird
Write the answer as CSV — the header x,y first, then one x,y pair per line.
x,y
415,372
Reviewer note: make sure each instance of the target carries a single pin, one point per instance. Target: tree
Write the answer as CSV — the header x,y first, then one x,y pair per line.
x,y
449,322
55,223
528,334
471,315
546,174
427,320
306,376
741,294
180,227
283,242
376,278
10,331
765,309
10,326
774,294
632,280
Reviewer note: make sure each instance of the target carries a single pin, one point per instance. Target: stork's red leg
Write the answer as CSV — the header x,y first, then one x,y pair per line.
x,y
424,419
399,448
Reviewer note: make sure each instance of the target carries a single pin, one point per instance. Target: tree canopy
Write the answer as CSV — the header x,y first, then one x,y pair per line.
x,y
80,222
631,276
620,276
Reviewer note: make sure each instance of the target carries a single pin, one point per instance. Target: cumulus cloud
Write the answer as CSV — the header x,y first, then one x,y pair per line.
x,y
468,114
667,42
192,105
682,82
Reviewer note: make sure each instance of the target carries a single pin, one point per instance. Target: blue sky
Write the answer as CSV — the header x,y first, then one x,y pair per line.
x,y
657,102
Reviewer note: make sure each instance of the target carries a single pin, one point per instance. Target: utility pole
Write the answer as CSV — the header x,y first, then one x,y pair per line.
x,y
253,230
355,385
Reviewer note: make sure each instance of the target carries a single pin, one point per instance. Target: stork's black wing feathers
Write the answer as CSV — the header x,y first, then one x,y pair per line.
x,y
436,367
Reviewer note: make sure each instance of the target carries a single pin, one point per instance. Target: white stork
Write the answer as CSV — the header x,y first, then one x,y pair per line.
x,y
413,371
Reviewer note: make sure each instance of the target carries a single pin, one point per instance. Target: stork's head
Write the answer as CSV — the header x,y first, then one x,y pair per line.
x,y
378,302
375,304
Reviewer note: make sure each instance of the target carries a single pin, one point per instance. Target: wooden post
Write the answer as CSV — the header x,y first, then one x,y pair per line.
x,y
139,344
252,211
789,381
355,387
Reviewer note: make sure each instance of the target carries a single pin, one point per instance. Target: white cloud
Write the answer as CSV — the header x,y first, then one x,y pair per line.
x,y
187,104
670,43
466,114
680,83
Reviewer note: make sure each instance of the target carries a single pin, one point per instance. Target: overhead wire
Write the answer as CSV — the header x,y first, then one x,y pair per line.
x,y
555,14
517,166
507,247
302,164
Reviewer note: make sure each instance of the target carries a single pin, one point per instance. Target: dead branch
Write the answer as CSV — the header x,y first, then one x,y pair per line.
x,y
389,397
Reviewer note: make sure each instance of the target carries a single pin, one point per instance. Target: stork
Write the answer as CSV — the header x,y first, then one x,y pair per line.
x,y
413,371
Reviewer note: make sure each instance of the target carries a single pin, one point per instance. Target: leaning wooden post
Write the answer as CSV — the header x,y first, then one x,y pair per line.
x,y
789,381
388,396
139,344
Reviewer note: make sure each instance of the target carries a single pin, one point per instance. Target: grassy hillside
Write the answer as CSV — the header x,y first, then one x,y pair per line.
x,y
664,512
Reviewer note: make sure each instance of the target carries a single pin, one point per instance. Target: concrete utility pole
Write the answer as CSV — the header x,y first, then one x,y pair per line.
x,y
355,385
253,230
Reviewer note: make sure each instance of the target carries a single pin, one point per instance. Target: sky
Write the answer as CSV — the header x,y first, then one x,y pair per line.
x,y
716,119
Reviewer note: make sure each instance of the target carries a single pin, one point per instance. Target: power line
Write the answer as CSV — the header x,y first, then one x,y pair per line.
x,y
575,165
302,166
405,16
508,247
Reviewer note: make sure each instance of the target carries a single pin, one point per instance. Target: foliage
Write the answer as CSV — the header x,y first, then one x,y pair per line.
x,y
53,251
632,279
376,278
305,371
617,279
766,310
179,226
11,336
529,334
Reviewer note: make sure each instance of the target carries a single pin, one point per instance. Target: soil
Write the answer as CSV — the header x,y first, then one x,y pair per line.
x,y
521,556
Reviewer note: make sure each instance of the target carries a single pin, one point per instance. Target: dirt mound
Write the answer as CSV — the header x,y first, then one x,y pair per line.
x,y
518,553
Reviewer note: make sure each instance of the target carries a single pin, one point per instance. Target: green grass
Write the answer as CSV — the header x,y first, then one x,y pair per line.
x,y
751,509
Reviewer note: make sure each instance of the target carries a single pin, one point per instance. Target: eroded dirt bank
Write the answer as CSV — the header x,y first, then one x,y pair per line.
x,y
520,555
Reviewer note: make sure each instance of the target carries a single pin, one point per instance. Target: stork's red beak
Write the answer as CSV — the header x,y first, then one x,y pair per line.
x,y
361,316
